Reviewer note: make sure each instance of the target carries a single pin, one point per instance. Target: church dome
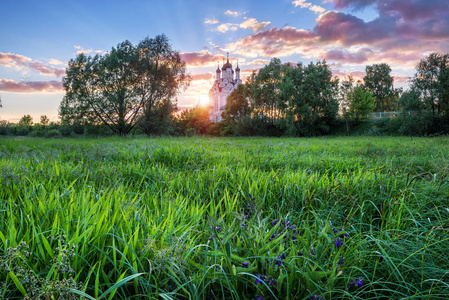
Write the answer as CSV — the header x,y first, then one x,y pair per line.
x,y
227,65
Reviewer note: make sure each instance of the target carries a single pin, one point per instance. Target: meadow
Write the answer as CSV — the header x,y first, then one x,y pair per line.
x,y
224,218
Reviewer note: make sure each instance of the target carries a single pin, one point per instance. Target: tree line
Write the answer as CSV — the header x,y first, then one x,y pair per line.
x,y
133,89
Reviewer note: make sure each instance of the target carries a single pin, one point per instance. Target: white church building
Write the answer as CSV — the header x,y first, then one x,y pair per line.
x,y
223,85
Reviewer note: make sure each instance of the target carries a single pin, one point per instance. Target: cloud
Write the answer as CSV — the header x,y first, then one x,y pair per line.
x,y
303,4
341,55
56,62
393,36
88,51
273,42
258,62
211,21
201,59
253,24
19,62
7,85
232,13
203,76
226,27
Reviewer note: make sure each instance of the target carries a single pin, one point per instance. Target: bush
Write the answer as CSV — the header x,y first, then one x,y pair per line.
x,y
22,131
54,133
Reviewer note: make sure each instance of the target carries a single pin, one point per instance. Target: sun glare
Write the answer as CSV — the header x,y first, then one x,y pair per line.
x,y
204,99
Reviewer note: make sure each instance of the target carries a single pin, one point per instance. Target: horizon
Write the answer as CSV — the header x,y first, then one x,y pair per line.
x,y
38,40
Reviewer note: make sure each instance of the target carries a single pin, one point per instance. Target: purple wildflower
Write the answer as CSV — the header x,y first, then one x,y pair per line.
x,y
340,262
218,228
338,243
356,283
278,262
300,253
283,256
315,297
274,222
245,265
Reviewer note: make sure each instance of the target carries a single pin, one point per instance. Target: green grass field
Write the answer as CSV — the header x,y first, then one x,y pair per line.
x,y
216,218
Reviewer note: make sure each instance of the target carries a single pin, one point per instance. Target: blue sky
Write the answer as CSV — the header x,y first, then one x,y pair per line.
x,y
38,38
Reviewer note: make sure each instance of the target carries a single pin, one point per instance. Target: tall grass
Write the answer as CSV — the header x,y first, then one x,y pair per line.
x,y
207,218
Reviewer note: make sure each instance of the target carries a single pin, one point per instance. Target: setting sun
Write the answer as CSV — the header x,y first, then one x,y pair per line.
x,y
204,99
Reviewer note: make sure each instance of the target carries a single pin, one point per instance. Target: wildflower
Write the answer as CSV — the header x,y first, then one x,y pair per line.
x,y
340,262
342,236
335,230
211,238
293,238
274,222
245,265
338,243
218,228
356,283
259,298
316,297
283,256
300,253
278,262
243,224
273,236
257,281
312,251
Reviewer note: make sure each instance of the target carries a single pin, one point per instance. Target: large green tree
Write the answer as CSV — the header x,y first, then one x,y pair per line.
x,y
265,91
360,103
311,101
431,80
379,82
123,87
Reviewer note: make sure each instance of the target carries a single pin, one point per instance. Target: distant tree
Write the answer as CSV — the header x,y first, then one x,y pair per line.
x,y
44,120
345,87
195,120
123,86
410,101
265,91
237,113
380,83
431,80
360,103
310,99
26,121
162,75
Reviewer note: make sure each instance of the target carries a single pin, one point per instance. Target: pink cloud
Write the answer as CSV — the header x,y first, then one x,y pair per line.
x,y
7,85
341,55
203,76
273,42
19,61
201,59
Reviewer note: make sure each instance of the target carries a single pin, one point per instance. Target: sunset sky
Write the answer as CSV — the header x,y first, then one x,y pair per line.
x,y
38,38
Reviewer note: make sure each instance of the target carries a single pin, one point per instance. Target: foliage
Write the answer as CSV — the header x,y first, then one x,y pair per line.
x,y
124,85
432,82
44,120
360,104
379,81
198,218
195,120
26,121
311,102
